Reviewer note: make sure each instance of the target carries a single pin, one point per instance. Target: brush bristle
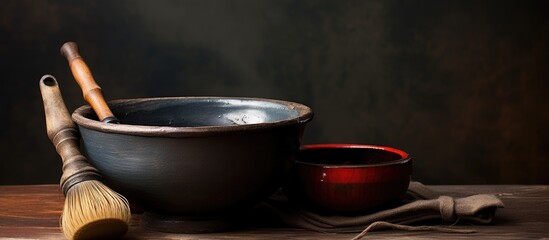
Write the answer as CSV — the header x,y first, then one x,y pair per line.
x,y
93,210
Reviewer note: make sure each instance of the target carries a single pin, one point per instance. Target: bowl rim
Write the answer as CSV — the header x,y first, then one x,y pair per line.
x,y
405,157
305,114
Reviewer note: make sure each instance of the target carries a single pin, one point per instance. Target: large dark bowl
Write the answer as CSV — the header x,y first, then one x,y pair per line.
x,y
194,158
349,178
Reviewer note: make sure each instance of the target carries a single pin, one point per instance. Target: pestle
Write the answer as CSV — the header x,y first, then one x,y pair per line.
x,y
91,91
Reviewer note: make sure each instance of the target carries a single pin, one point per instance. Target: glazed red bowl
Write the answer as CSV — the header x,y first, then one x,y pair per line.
x,y
348,178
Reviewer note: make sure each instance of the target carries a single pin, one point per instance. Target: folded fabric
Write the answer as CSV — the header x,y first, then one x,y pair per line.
x,y
425,205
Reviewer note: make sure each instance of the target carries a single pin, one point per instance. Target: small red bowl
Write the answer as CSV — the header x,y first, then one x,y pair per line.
x,y
348,178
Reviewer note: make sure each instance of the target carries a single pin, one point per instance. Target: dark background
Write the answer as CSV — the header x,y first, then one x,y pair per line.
x,y
461,85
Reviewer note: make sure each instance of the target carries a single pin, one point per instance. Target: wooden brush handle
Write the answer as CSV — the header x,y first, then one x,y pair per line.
x,y
64,136
91,91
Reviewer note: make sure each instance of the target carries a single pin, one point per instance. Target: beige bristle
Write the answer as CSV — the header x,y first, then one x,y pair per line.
x,y
93,210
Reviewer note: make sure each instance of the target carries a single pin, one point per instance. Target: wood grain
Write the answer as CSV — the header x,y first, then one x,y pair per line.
x,y
33,212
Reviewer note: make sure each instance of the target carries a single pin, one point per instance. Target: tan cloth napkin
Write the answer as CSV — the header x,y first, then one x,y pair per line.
x,y
425,205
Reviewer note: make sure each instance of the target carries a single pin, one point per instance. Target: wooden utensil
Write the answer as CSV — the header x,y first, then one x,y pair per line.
x,y
91,91
92,210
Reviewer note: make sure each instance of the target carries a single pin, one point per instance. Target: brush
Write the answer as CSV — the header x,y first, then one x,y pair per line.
x,y
92,210
90,90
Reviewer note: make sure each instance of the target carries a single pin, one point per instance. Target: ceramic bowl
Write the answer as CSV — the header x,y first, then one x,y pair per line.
x,y
348,178
194,162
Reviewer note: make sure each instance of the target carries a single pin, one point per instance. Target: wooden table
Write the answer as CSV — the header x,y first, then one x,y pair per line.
x,y
32,212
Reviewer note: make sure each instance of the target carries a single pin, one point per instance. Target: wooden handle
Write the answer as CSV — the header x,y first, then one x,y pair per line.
x,y
64,136
90,90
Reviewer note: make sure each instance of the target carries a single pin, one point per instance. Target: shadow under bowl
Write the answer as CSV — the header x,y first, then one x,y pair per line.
x,y
194,163
348,178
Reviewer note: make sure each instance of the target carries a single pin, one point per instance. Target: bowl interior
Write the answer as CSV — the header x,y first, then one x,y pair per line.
x,y
349,155
200,112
